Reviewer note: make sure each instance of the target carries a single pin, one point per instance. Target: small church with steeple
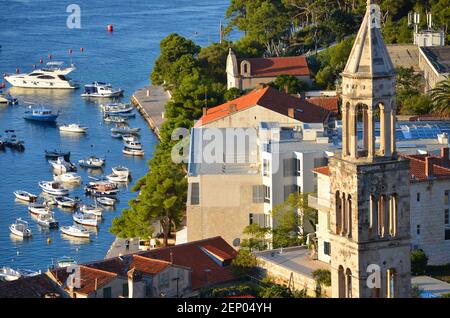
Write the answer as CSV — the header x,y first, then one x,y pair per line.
x,y
369,215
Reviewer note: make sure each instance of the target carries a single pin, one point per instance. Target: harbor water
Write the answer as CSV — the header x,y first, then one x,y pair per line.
x,y
31,30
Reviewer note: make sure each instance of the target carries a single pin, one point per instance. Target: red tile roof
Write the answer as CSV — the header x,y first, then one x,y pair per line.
x,y
330,104
30,287
147,265
91,278
205,270
322,170
273,67
271,99
417,167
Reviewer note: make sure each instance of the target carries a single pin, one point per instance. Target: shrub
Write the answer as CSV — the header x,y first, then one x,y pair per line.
x,y
419,261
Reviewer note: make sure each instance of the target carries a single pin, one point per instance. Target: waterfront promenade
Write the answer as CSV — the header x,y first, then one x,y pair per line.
x,y
150,101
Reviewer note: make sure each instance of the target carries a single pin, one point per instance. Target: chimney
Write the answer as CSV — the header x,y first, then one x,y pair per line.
x,y
205,111
429,167
445,156
233,108
133,277
291,112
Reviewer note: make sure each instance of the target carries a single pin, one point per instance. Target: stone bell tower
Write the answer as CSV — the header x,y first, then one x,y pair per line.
x,y
370,214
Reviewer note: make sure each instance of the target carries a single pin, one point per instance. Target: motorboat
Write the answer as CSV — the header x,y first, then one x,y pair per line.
x,y
102,189
115,178
106,201
114,119
133,152
75,231
73,128
66,202
25,196
12,142
92,209
69,177
54,155
41,114
86,219
7,274
121,171
53,188
92,162
125,130
101,90
123,115
135,144
54,75
65,261
38,209
116,108
129,138
20,229
47,220
61,165
7,99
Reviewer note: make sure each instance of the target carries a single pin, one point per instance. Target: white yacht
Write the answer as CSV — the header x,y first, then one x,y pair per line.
x,y
121,171
101,90
53,75
75,231
53,188
20,228
69,177
73,128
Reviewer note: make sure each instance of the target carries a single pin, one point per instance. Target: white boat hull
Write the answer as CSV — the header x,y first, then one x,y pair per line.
x,y
19,233
24,81
76,234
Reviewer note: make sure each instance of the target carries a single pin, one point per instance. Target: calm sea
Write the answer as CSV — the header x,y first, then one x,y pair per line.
x,y
31,30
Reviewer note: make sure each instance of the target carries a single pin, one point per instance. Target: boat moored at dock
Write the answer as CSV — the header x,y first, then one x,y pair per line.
x,y
101,90
53,188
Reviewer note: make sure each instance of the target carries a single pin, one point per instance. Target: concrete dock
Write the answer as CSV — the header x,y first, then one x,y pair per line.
x,y
150,101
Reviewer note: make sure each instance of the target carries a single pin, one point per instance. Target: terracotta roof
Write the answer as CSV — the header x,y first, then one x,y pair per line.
x,y
147,265
269,98
417,167
91,278
322,170
330,104
273,67
30,287
204,270
223,256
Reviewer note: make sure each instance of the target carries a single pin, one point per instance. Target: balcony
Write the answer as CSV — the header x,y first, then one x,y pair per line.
x,y
319,204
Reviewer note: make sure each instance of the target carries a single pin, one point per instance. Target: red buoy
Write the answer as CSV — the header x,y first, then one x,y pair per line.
x,y
3,85
50,56
17,70
110,28
41,61
81,50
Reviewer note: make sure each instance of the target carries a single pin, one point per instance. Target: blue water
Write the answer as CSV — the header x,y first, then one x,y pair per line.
x,y
32,29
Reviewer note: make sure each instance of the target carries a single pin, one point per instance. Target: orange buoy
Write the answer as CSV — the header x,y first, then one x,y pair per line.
x,y
110,28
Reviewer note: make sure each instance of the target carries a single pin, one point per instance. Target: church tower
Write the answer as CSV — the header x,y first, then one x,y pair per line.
x,y
370,213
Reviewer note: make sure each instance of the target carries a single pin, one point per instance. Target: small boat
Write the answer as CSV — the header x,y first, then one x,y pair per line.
x,y
86,219
123,115
114,119
12,142
69,177
125,130
65,261
116,108
8,274
73,128
121,171
54,155
133,152
47,220
129,138
101,90
105,189
115,178
63,166
75,231
53,188
6,98
41,113
106,201
20,229
136,145
92,209
25,196
38,209
66,202
92,162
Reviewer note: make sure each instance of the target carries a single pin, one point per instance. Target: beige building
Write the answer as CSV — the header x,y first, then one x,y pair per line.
x,y
250,73
435,64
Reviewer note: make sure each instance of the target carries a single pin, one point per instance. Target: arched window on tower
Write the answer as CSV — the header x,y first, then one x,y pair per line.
x,y
341,282
349,216
338,213
391,283
373,217
393,214
348,279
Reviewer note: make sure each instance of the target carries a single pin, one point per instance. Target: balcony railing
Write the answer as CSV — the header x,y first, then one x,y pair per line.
x,y
318,203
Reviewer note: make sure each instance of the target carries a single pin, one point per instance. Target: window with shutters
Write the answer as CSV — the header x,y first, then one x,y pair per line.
x,y
258,194
298,167
327,248
195,193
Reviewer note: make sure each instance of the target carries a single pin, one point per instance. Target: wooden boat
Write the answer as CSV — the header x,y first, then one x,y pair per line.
x,y
133,152
92,209
20,229
66,202
25,196
54,155
102,189
86,219
75,231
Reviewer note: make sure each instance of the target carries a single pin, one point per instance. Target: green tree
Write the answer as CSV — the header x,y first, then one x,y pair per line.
x,y
233,93
441,97
290,83
322,278
419,262
244,264
256,238
271,290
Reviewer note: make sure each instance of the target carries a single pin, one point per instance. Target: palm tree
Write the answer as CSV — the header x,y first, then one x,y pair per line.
x,y
441,97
